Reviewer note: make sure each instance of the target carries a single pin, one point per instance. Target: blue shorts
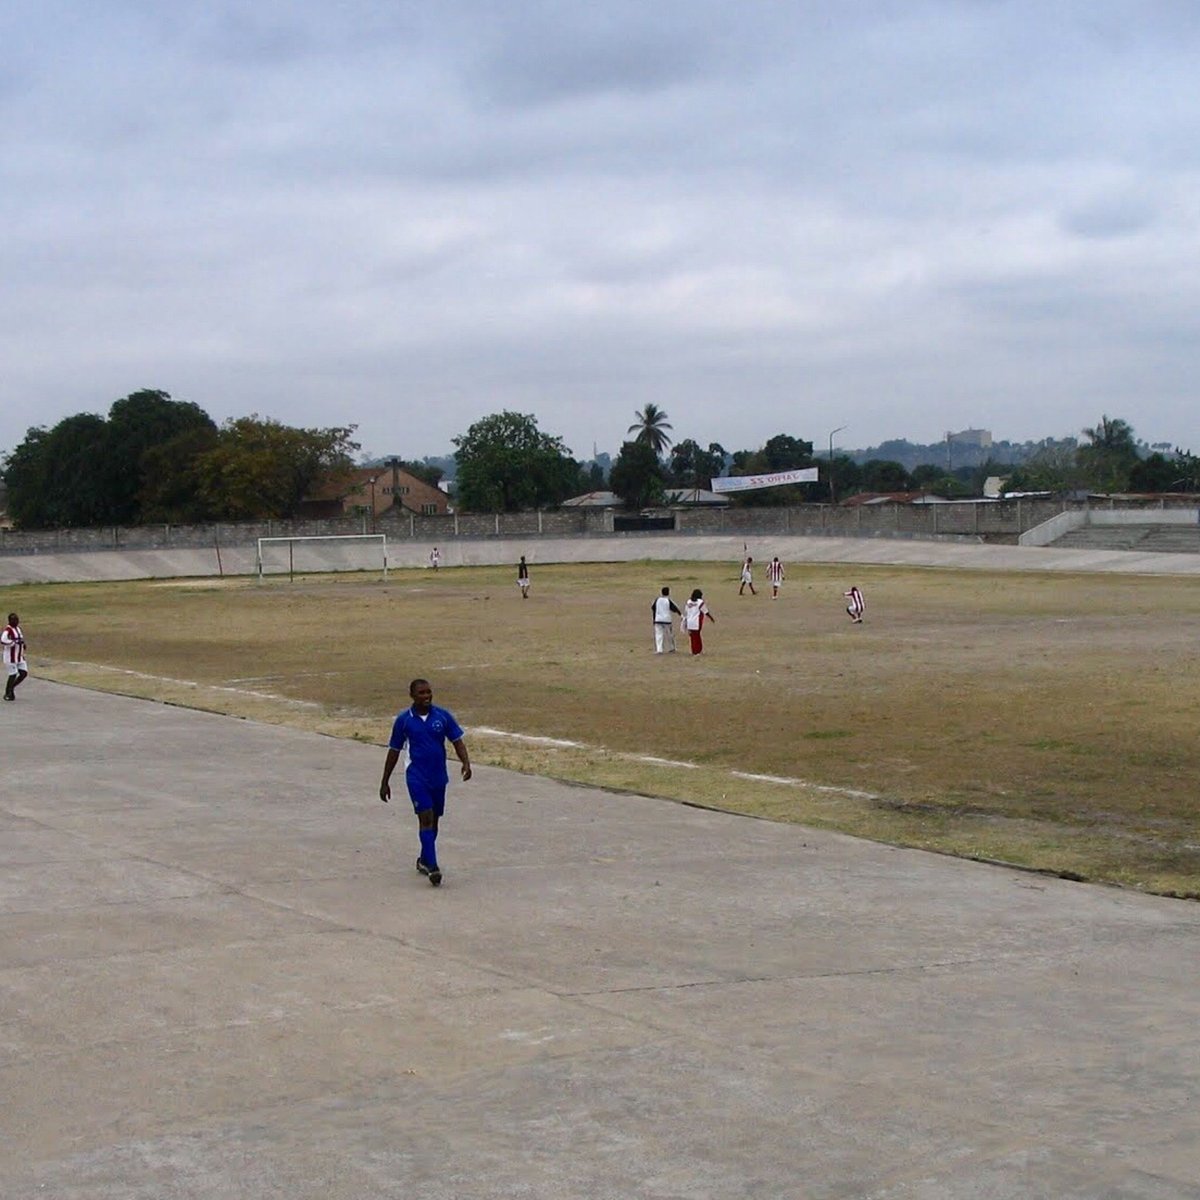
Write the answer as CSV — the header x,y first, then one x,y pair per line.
x,y
426,796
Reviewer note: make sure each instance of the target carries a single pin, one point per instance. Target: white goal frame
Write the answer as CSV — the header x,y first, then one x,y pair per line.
x,y
324,537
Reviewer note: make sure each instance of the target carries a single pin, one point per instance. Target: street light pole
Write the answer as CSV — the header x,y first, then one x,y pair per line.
x,y
832,495
372,482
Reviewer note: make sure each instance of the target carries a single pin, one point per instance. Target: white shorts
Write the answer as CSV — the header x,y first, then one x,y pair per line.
x,y
17,668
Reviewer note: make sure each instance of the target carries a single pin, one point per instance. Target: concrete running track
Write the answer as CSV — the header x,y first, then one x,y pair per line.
x,y
112,565
220,976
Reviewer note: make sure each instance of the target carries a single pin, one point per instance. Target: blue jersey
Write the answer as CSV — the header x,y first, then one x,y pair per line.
x,y
426,738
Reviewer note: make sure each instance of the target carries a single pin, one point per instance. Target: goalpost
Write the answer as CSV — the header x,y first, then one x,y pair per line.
x,y
351,561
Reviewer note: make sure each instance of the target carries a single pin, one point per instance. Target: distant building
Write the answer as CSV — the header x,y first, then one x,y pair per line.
x,y
684,497
593,500
865,499
971,437
696,496
367,490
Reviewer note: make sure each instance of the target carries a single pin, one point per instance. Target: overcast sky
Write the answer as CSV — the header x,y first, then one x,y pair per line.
x,y
899,217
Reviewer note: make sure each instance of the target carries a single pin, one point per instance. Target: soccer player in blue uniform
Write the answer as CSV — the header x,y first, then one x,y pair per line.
x,y
424,729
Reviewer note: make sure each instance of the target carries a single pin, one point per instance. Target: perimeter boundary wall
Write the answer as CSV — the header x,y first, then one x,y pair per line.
x,y
988,521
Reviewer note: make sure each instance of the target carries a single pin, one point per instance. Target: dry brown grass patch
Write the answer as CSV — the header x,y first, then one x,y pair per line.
x,y
1043,720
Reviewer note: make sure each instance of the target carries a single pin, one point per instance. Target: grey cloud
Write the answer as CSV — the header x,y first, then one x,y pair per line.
x,y
525,73
248,36
763,216
1109,217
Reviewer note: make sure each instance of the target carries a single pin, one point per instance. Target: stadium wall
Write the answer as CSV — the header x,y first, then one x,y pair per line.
x,y
1002,521
963,533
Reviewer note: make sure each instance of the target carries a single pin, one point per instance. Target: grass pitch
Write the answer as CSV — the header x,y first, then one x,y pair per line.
x,y
1043,720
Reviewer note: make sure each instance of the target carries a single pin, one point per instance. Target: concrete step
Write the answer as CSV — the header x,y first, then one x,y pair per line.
x,y
1155,539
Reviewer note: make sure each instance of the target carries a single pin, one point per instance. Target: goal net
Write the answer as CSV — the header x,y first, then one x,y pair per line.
x,y
325,552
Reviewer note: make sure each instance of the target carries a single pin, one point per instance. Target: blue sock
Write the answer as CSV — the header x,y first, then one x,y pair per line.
x,y
429,847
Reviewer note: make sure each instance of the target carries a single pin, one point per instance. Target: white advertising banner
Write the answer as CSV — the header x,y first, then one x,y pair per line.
x,y
746,483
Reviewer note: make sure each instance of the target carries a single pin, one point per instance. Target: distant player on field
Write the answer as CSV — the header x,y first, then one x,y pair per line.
x,y
664,626
12,648
523,578
747,576
775,576
435,558
856,607
695,613
423,729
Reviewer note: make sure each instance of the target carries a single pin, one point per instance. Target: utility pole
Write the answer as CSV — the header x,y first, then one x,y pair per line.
x,y
832,493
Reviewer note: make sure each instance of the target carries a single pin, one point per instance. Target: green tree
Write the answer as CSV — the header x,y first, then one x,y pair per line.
x,y
692,467
637,476
172,487
591,477
25,472
883,475
89,470
932,478
137,424
651,426
1158,473
261,468
847,477
1112,435
1054,468
1109,456
505,464
780,453
785,453
56,477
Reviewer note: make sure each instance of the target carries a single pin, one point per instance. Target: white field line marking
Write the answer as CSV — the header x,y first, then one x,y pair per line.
x,y
293,675
816,787
529,737
668,762
193,684
560,743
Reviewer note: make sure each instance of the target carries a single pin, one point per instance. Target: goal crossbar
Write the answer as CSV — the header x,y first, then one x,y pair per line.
x,y
381,538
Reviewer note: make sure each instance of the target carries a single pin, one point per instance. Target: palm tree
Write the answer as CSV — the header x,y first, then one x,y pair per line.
x,y
650,428
1111,456
1113,436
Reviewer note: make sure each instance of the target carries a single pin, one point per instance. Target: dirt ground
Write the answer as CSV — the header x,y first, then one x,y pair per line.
x,y
1043,720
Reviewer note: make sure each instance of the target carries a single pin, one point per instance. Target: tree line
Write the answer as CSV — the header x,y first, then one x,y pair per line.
x,y
510,448
155,459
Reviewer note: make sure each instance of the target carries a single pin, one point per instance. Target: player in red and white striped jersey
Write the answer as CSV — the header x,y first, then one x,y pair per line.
x,y
856,607
775,576
12,650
